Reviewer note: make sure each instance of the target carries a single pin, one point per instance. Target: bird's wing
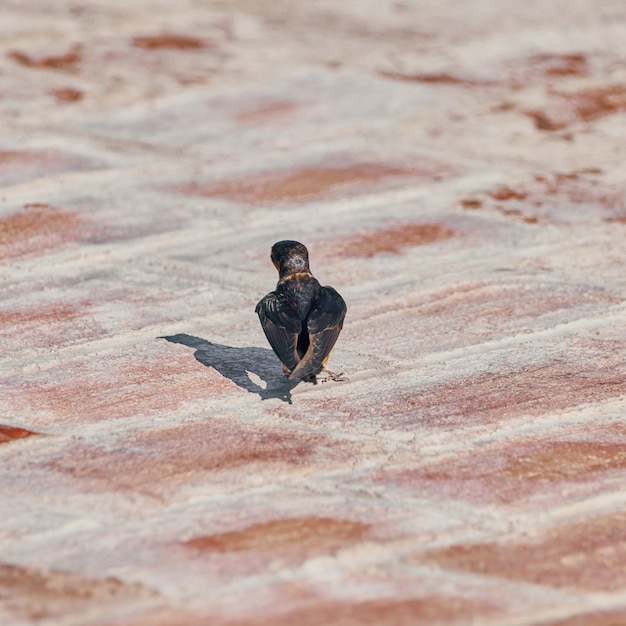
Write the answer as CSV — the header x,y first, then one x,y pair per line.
x,y
281,327
324,325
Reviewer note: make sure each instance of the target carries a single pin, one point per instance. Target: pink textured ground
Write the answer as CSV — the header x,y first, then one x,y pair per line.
x,y
457,171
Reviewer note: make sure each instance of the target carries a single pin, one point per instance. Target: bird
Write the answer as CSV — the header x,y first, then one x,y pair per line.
x,y
301,319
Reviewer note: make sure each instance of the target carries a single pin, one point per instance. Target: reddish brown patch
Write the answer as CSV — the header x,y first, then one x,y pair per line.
x,y
131,383
441,78
308,535
490,398
267,112
169,41
530,391
67,61
466,314
578,187
49,324
176,615
54,311
392,240
307,183
513,471
555,65
590,170
545,122
37,594
591,104
10,433
530,219
562,460
616,617
67,94
587,105
154,460
503,106
6,156
588,555
35,229
30,222
471,203
507,193
504,193
425,611
21,165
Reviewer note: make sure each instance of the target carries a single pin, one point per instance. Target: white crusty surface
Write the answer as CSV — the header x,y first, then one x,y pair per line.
x,y
456,170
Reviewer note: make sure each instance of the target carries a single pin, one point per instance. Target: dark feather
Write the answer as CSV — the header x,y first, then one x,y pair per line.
x,y
324,325
281,327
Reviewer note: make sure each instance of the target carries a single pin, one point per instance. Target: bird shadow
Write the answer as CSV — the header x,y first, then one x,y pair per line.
x,y
237,363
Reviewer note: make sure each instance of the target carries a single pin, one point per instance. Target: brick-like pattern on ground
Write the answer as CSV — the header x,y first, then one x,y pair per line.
x,y
457,174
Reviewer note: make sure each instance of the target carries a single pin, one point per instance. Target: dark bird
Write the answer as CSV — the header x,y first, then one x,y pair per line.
x,y
301,319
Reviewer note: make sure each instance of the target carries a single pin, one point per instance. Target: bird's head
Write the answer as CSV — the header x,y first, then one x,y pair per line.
x,y
289,257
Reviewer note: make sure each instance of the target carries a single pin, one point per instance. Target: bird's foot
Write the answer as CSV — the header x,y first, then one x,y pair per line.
x,y
338,378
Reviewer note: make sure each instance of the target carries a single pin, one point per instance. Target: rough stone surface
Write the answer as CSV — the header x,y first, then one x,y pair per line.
x,y
457,172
